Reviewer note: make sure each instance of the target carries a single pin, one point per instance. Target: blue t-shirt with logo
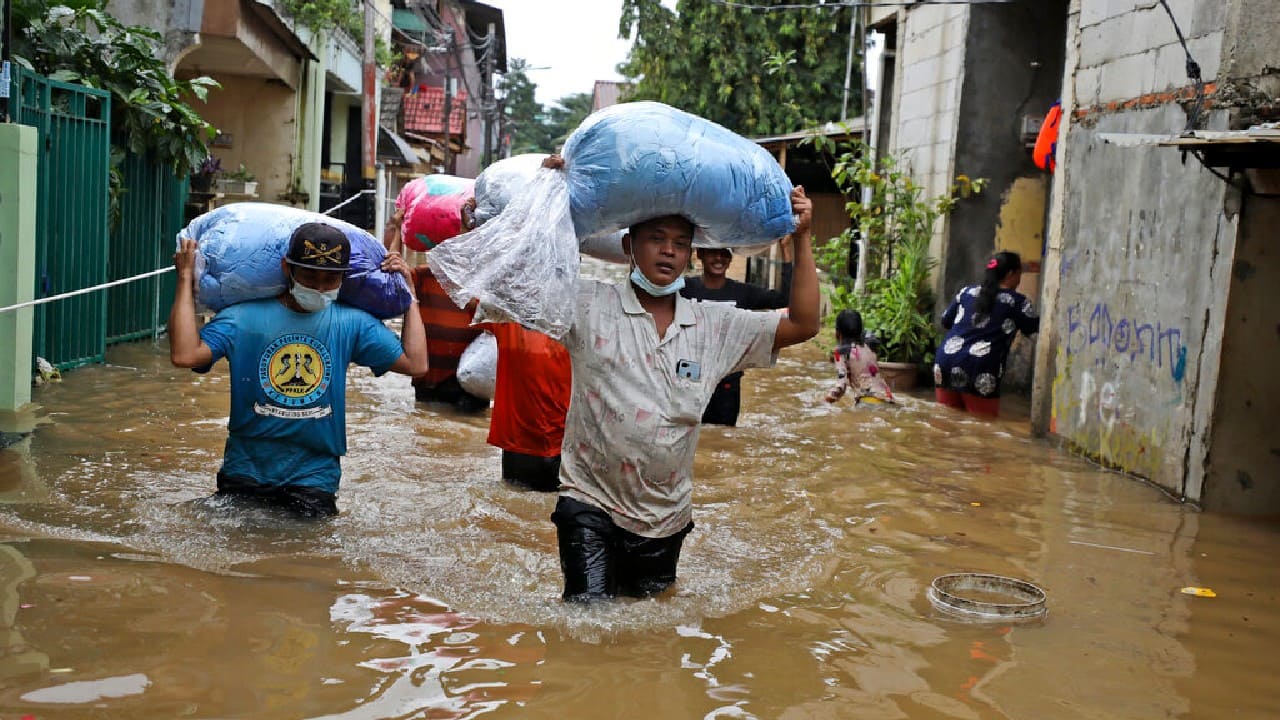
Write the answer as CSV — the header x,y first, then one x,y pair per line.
x,y
288,387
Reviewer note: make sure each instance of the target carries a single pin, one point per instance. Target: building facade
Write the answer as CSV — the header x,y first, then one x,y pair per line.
x,y
1151,269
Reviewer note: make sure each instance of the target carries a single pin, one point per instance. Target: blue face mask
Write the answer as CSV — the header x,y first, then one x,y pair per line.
x,y
648,286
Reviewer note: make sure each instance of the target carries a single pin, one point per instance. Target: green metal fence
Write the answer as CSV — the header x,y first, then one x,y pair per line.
x,y
151,214
74,129
74,247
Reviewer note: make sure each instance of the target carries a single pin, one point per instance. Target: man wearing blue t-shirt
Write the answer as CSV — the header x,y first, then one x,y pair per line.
x,y
289,356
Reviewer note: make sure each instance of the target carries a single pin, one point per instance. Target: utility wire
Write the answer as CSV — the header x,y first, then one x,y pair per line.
x,y
1193,72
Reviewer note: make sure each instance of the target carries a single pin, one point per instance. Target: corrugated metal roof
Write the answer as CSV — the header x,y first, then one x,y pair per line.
x,y
424,112
852,125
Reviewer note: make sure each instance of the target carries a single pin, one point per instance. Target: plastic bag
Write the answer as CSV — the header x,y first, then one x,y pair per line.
x,y
437,184
501,181
434,215
478,366
239,248
504,179
624,164
522,265
635,161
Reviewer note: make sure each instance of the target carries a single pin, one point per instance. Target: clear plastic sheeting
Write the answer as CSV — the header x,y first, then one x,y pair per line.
x,y
636,161
522,265
501,181
506,178
240,246
478,366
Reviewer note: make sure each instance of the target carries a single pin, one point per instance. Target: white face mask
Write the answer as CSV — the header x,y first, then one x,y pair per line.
x,y
312,300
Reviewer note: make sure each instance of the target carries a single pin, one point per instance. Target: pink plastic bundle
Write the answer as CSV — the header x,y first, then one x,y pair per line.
x,y
432,209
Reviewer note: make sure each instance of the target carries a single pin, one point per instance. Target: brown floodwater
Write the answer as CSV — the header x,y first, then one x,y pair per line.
x,y
802,592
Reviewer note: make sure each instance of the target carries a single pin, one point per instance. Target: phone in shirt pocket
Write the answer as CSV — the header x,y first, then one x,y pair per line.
x,y
687,394
689,370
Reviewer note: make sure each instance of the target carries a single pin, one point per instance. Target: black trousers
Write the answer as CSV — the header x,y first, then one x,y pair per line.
x,y
722,408
531,472
601,560
307,502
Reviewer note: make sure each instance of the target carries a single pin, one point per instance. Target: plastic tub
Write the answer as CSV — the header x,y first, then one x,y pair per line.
x,y
980,596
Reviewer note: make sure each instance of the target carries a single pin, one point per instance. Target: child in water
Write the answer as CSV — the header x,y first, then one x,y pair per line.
x,y
856,364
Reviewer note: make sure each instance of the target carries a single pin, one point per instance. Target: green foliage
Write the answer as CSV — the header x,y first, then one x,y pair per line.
x,y
757,73
327,15
521,110
79,43
533,126
149,110
341,15
896,225
565,115
240,174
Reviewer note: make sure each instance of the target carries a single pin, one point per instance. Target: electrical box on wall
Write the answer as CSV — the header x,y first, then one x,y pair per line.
x,y
1031,129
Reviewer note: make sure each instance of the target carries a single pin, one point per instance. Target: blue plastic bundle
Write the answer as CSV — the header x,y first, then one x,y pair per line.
x,y
636,161
240,247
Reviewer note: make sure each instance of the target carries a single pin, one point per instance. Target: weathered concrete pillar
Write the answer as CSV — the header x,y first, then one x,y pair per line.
x,y
17,261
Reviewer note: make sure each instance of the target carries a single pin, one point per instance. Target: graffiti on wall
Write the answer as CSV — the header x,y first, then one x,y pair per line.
x,y
1091,416
1109,336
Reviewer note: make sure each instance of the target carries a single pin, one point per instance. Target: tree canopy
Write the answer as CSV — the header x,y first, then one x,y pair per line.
x,y
522,114
756,72
532,126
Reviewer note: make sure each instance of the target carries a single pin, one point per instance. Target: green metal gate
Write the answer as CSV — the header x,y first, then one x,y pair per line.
x,y
74,160
151,214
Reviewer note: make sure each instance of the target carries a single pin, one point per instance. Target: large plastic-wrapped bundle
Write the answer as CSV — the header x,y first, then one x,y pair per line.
x,y
636,161
624,164
522,265
478,366
435,214
430,185
502,180
240,247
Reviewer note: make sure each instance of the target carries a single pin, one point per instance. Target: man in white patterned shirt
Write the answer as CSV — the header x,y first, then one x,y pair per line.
x,y
645,362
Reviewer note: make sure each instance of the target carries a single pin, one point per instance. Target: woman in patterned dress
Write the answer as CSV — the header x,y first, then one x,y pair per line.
x,y
981,323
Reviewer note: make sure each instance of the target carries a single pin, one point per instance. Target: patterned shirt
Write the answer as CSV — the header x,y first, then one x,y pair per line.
x,y
971,357
637,400
856,368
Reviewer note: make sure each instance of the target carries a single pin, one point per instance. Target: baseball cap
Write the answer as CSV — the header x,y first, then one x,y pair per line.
x,y
320,247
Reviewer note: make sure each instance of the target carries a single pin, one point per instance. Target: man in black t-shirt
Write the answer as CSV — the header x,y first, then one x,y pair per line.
x,y
713,285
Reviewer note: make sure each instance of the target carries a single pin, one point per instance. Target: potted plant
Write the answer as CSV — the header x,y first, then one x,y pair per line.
x,y
202,179
898,311
238,182
891,235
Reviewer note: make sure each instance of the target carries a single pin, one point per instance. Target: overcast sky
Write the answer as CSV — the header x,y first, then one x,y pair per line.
x,y
576,40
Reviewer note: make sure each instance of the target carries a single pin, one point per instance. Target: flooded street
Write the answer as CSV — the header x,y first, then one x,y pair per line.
x,y
435,593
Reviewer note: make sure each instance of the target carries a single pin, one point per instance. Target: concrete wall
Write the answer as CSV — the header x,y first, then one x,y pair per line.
x,y
1244,459
1140,266
926,111
18,145
178,20
1013,68
261,116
